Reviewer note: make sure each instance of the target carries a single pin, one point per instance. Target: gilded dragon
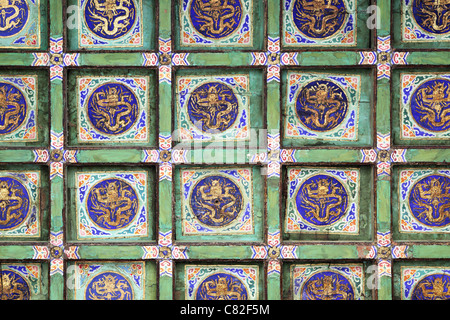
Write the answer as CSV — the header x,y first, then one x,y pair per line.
x,y
9,117
11,288
433,289
329,287
219,17
319,16
13,20
211,201
433,103
107,18
324,204
437,14
115,206
109,288
223,288
113,109
432,197
211,106
11,200
322,101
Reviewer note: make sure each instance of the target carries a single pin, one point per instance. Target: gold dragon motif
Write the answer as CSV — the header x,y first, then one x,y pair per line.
x,y
432,102
109,288
212,13
328,288
114,205
433,10
10,288
314,12
9,116
109,16
209,105
223,289
323,196
434,289
325,101
217,194
9,202
435,193
10,22
113,109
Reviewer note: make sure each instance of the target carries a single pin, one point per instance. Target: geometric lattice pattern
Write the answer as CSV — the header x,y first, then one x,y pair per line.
x,y
224,149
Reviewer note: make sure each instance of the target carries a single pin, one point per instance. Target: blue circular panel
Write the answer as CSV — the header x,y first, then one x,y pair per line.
x,y
213,107
327,285
13,286
109,286
429,200
430,105
321,105
432,16
14,203
13,17
13,108
319,19
110,19
216,19
432,287
216,201
221,286
322,200
112,108
112,204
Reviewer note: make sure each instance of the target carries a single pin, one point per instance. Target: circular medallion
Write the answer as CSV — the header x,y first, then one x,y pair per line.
x,y
432,287
14,203
112,108
432,16
322,200
430,105
429,200
216,19
321,105
13,17
109,286
216,201
110,19
221,286
13,108
319,19
213,107
327,285
112,204
13,286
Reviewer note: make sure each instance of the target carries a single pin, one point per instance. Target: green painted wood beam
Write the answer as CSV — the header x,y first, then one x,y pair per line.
x,y
56,204
16,59
383,205
113,251
110,156
328,155
428,58
17,251
328,251
385,15
328,58
428,155
16,155
111,59
429,251
56,19
219,252
229,59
